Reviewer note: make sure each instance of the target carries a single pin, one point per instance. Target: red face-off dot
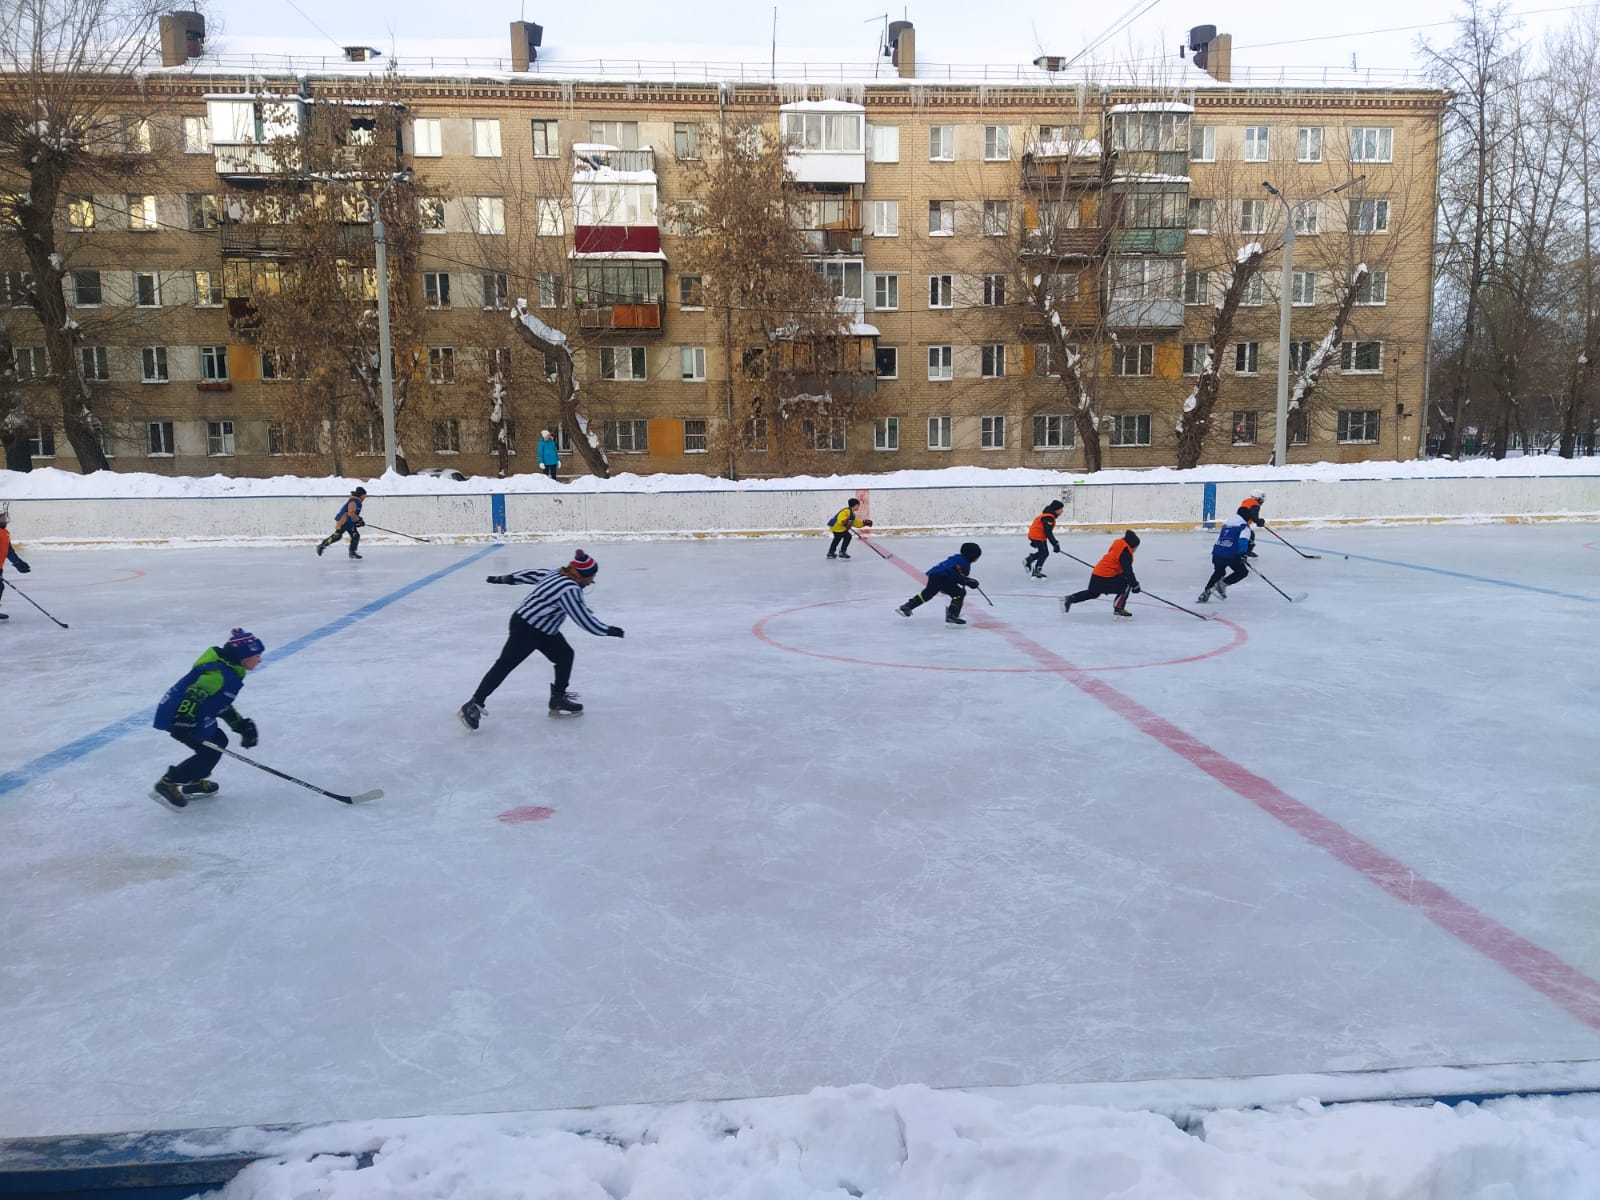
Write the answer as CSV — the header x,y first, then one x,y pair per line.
x,y
521,816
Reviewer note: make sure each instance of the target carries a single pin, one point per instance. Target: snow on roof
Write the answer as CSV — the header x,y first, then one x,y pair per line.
x,y
639,255
1152,106
862,329
1082,148
822,106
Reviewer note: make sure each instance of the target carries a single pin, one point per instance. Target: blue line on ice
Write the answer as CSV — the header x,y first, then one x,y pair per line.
x,y
1509,583
31,772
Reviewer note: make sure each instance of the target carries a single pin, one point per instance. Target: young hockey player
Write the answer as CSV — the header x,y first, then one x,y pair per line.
x,y
1250,508
1112,576
949,578
1228,556
843,521
1042,535
536,625
190,711
347,520
8,553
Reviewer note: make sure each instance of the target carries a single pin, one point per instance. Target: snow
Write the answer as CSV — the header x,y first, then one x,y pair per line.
x,y
535,325
1247,251
1152,106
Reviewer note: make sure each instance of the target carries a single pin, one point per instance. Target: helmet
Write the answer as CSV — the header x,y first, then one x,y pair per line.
x,y
1258,494
971,551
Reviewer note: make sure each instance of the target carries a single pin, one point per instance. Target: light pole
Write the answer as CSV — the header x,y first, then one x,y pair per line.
x,y
1280,437
385,356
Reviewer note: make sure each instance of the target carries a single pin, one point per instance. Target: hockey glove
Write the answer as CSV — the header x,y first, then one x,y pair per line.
x,y
614,631
866,524
972,583
1136,588
1261,523
22,566
243,726
358,522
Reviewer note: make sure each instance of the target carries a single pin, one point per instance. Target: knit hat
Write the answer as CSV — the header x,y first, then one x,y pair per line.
x,y
971,551
582,565
360,491
242,645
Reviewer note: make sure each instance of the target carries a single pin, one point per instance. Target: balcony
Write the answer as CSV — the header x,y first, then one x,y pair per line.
x,y
636,318
832,241
1084,242
1064,171
589,158
1144,164
1144,312
252,239
256,162
1149,241
616,239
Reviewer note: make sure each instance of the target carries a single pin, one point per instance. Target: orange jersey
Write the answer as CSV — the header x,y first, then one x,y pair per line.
x,y
1250,509
5,547
1110,564
1042,527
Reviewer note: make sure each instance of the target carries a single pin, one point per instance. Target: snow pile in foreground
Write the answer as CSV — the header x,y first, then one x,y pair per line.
x,y
912,1143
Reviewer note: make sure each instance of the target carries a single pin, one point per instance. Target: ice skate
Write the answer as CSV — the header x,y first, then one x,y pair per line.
x,y
1120,612
563,705
904,610
1037,574
952,619
471,713
1066,605
353,554
169,795
1204,597
321,546
1222,590
199,788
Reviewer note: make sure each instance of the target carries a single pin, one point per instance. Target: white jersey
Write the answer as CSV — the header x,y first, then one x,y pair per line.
x,y
553,599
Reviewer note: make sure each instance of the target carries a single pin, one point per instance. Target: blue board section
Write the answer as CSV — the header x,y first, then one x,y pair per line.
x,y
1208,505
497,512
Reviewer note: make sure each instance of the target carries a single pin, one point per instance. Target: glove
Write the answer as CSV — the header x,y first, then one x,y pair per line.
x,y
1251,554
248,736
498,579
614,631
1261,523
866,524
23,567
358,522
1136,588
972,583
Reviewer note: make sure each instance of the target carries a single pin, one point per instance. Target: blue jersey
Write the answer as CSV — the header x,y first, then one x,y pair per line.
x,y
1232,541
955,567
205,692
339,517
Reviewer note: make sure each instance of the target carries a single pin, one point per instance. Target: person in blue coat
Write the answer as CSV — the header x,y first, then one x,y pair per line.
x,y
549,453
1228,557
191,708
347,520
950,578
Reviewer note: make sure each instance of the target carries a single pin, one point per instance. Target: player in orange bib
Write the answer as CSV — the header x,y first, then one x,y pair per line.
x,y
1042,534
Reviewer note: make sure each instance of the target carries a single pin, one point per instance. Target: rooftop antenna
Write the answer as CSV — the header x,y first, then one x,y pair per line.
x,y
883,42
774,41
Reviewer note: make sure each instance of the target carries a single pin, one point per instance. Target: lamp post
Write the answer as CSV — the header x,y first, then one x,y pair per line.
x,y
1280,438
385,355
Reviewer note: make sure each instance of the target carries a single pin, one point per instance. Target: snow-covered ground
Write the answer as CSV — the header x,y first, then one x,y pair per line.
x,y
798,842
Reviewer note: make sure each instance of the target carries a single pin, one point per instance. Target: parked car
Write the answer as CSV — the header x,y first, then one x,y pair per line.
x,y
443,473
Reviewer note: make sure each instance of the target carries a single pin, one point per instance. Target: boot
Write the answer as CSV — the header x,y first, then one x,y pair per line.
x,y
1027,563
1038,574
1120,612
353,554
905,609
1222,589
200,787
1204,597
1066,605
169,795
321,546
471,713
562,704
952,615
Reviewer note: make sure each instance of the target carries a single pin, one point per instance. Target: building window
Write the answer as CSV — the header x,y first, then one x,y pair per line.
x,y
497,362
691,292
886,218
1053,433
941,143
941,218
1201,215
836,133
886,434
1361,358
1194,357
86,289
886,292
939,433
275,364
1371,144
208,289
1246,358
1303,287
1308,144
628,437
1300,355
549,215
80,214
845,278
485,137
1299,427
488,214
29,362
158,439
694,433
825,435
447,436
436,289
685,140
42,442
622,362
204,211
1358,424
1133,358
885,143
1306,220
147,289
1045,365
624,135
284,437
16,287
1369,216
142,213
546,139
1130,429
153,364
425,138
94,364
552,290
1252,216
1061,288
1254,294
939,291
994,361
940,363
219,439
1244,425
996,143
496,289
1373,288
996,218
755,435
430,212
1197,287
196,135
994,290
992,435
887,361
1255,143
441,364
214,364
1203,143
693,366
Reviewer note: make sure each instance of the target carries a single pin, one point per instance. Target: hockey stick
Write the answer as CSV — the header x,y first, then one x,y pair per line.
x,y
34,602
982,593
260,766
1179,607
1256,571
1290,544
396,532
863,540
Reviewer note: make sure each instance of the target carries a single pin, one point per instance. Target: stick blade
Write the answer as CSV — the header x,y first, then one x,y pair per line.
x,y
1300,597
364,797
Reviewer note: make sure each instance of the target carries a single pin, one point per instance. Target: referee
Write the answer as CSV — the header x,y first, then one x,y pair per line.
x,y
536,625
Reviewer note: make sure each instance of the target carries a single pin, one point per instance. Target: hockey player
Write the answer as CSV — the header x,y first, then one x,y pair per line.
x,y
8,553
843,521
949,578
536,625
1112,576
1250,509
1228,556
347,520
190,711
1042,535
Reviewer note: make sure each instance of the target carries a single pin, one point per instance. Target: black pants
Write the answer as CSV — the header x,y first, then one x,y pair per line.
x,y
203,760
1041,553
1102,585
550,469
1234,568
352,530
522,640
937,586
840,543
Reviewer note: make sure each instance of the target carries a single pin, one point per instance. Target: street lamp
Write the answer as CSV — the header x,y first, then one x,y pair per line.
x,y
385,357
1280,440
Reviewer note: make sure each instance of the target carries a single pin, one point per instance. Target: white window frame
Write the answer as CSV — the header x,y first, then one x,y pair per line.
x,y
1307,221
992,433
219,439
886,218
436,289
80,214
441,364
197,135
1372,144
1252,216
941,218
447,435
1252,425
996,218
1300,353
94,364
994,290
496,288
941,291
1370,416
1302,289
140,280
637,437
1247,358
996,143
548,130
426,139
551,220
1255,292
488,215
1054,431
886,291
885,143
153,365
1203,143
886,435
694,435
100,286
213,364
1257,143
622,364
1376,284
430,214
692,364
158,433
1202,206
1143,360
1194,357
208,291
142,214
939,433
1124,423
941,363
992,360
1308,144
1196,287
941,143
1380,215
1348,353
486,137
877,365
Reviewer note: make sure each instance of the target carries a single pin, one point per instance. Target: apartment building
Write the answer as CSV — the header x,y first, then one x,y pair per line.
x,y
1027,264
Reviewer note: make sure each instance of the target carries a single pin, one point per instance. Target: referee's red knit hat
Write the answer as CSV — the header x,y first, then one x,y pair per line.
x,y
583,565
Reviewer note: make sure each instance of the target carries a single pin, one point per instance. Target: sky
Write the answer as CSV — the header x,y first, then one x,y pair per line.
x,y
1375,34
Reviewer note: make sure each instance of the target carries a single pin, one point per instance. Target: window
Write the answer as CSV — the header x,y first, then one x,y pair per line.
x,y
80,214
1252,216
147,289
553,290
277,364
941,218
886,143
836,133
430,210
1194,357
1300,355
1197,287
1306,220
546,139
845,277
1358,424
488,214
1371,144
755,435
940,363
1130,429
886,434
204,211
284,437
42,442
993,433
497,362
939,291
694,433
1254,294
1255,143
993,361
628,437
685,140
94,364
826,435
886,218
1201,215
1369,216
1203,143
425,139
693,364
30,362
1359,358
691,291
441,364
158,439
1053,433
447,436
136,137
1373,288
624,135
886,292
994,291
15,287
941,143
996,143
938,433
214,363
1308,144
887,361
219,439
436,289
1244,424
196,135
86,289
208,289
1299,427
1303,288
496,289
996,218
153,364
1246,358
622,362
1061,288
550,222
485,137
1133,358
1045,359
142,213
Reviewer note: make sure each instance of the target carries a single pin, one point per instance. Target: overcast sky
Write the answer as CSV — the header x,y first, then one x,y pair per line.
x,y
1266,33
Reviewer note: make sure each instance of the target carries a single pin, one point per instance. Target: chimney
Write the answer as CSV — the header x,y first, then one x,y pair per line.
x,y
526,38
1213,51
902,39
183,36
360,53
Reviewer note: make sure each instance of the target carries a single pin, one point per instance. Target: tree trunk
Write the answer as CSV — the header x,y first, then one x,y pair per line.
x,y
572,418
1195,423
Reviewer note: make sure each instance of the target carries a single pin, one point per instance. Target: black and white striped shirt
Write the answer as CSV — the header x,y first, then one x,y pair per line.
x,y
554,598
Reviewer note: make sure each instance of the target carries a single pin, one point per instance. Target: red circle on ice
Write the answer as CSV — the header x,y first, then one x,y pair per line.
x,y
521,816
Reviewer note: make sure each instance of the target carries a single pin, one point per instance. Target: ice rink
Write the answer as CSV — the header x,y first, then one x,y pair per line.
x,y
796,839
